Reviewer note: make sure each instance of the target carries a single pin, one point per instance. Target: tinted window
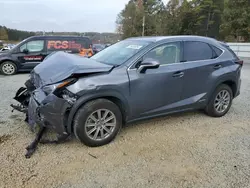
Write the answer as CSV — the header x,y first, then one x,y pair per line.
x,y
33,46
166,54
194,51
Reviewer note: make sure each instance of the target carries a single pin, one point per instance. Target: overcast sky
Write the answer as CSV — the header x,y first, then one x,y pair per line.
x,y
61,15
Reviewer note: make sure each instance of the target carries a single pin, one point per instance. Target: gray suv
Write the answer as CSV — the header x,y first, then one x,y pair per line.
x,y
134,79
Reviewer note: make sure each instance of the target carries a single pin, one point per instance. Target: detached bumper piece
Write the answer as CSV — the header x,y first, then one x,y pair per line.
x,y
47,112
33,146
19,108
38,139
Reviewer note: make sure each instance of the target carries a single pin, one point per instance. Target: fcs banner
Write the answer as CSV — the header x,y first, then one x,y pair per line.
x,y
63,45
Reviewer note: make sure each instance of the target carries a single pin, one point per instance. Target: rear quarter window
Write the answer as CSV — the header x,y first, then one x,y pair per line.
x,y
229,49
217,51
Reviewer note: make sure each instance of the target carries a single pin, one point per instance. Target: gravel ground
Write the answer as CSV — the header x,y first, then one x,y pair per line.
x,y
184,150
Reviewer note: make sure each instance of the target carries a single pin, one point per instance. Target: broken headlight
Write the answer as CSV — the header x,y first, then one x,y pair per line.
x,y
68,96
59,87
49,89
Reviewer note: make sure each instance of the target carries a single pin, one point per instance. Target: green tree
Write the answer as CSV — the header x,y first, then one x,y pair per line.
x,y
153,11
187,19
3,33
207,12
236,20
220,19
172,25
130,20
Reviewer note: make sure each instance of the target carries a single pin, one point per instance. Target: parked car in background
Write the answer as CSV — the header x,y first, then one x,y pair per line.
x,y
11,45
32,51
98,47
5,48
107,45
134,79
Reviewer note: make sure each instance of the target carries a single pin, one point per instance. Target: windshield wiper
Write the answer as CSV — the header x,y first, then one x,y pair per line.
x,y
116,66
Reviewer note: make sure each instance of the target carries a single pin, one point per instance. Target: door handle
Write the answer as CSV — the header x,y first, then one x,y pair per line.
x,y
217,66
178,74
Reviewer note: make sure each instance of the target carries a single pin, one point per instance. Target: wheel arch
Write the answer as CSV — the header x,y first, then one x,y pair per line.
x,y
230,81
4,60
232,85
118,99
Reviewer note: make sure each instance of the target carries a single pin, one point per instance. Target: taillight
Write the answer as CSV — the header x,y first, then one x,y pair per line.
x,y
239,62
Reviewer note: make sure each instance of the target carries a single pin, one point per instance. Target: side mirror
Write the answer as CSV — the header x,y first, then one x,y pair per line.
x,y
148,64
26,51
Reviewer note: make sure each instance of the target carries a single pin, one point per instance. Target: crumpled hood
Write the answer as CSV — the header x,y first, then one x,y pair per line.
x,y
61,65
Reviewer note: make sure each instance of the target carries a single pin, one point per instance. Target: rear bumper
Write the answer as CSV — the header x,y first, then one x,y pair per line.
x,y
48,111
238,89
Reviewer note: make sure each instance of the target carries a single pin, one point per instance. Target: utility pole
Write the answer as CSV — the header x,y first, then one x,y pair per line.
x,y
141,4
208,20
143,25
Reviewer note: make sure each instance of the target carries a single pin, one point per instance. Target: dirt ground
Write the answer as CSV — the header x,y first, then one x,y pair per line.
x,y
182,150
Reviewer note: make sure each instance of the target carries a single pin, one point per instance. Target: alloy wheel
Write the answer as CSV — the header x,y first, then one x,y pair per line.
x,y
8,69
222,101
100,124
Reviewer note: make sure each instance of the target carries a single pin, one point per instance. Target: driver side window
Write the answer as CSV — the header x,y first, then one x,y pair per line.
x,y
168,53
33,46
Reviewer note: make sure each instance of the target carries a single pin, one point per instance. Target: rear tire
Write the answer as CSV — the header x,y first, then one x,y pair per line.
x,y
8,68
97,122
220,101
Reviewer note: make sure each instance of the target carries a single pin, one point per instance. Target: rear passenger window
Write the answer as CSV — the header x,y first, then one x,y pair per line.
x,y
195,51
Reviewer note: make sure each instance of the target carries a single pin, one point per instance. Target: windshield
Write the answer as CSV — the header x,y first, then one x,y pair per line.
x,y
14,47
120,52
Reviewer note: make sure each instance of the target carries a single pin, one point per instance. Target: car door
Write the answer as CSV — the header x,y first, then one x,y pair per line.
x,y
201,62
31,53
157,90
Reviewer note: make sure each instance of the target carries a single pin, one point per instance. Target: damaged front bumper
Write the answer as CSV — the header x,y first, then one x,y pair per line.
x,y
48,111
45,111
43,107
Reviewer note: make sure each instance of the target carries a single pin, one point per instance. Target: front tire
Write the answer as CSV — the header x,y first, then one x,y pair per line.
x,y
8,68
220,101
97,123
